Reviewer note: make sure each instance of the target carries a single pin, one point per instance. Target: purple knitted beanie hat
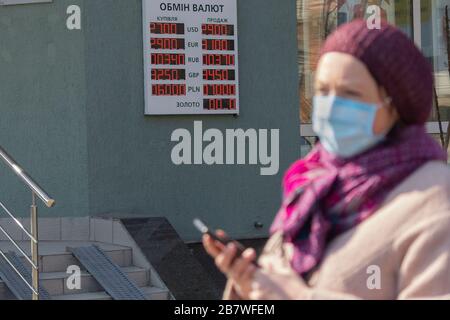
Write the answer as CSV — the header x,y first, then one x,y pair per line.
x,y
395,63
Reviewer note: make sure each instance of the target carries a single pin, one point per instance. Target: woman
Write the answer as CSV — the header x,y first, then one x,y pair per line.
x,y
366,215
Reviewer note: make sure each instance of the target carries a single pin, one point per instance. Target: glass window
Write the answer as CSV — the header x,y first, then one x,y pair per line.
x,y
435,37
434,46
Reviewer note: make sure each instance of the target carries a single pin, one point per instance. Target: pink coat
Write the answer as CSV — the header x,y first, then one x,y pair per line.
x,y
401,252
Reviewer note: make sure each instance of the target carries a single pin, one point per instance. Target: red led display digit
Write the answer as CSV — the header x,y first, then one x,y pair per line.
x,y
219,89
169,89
169,59
218,60
166,28
219,75
218,45
218,29
167,43
219,104
168,74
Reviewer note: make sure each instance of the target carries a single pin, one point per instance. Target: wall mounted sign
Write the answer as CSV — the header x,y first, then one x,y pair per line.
x,y
191,57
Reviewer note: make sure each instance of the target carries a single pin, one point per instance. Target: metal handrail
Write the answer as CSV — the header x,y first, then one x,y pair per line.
x,y
19,274
36,191
10,162
18,247
18,223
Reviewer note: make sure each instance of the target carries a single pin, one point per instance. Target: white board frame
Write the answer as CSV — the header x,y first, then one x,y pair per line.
x,y
156,105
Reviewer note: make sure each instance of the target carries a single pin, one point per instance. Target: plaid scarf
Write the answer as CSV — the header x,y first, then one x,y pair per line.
x,y
324,196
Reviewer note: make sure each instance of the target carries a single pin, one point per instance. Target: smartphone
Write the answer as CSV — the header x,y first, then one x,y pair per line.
x,y
203,228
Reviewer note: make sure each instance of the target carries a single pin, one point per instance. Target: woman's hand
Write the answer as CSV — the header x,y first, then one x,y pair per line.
x,y
238,269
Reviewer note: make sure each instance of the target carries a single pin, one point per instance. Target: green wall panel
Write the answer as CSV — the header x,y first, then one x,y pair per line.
x,y
73,114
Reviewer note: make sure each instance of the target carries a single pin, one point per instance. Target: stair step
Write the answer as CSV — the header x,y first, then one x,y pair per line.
x,y
122,256
60,262
107,273
152,293
6,294
55,282
55,258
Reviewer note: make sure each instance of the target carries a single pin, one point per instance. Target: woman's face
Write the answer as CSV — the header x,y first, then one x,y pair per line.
x,y
345,76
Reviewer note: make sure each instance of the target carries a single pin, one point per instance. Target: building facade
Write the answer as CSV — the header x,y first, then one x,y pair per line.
x,y
72,104
72,107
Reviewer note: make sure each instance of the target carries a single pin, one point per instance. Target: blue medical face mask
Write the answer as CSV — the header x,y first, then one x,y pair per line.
x,y
345,126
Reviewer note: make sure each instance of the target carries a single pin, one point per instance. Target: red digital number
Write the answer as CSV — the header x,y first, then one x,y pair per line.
x,y
218,60
169,28
215,75
168,74
233,104
218,29
169,89
219,104
219,75
167,58
219,90
167,43
166,28
214,104
217,44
